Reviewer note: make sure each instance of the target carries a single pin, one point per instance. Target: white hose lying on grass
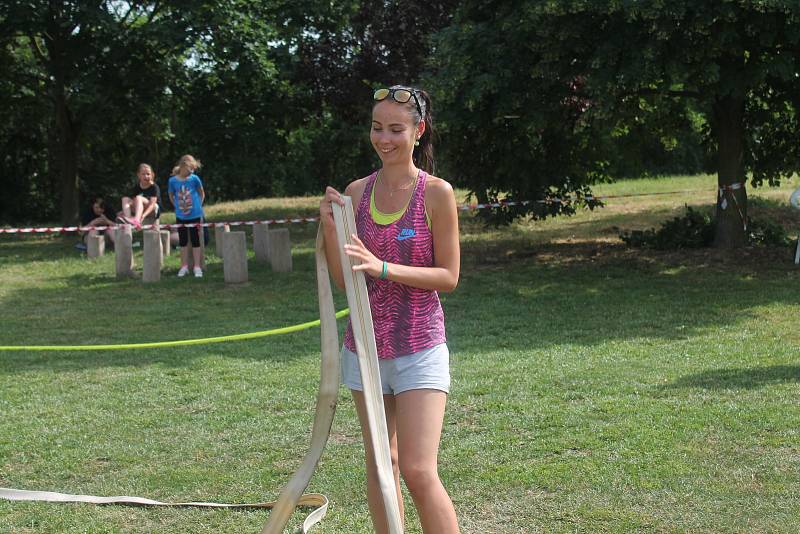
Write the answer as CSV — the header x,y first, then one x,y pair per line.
x,y
292,494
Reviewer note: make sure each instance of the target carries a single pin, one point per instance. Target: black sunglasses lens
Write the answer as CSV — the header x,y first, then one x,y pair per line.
x,y
380,94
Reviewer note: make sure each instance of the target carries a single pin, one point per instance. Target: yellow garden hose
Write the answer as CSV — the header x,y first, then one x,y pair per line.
x,y
179,343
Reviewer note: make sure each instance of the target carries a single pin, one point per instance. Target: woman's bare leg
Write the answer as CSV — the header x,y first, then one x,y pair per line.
x,y
374,498
419,415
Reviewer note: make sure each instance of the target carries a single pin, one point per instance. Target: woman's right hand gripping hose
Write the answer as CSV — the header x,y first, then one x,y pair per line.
x,y
326,209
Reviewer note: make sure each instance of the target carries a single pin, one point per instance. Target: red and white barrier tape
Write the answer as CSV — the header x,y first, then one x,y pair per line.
x,y
463,207
57,229
723,201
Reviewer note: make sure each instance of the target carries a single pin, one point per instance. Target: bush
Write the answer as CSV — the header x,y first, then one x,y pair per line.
x,y
696,230
767,233
693,230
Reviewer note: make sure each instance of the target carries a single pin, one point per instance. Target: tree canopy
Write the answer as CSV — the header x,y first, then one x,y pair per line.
x,y
543,95
98,77
535,100
274,93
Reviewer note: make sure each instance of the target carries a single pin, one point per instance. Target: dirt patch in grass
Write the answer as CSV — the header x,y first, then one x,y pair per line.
x,y
344,439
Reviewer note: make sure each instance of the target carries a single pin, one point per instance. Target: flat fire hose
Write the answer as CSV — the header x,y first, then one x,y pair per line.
x,y
367,351
316,500
326,399
292,494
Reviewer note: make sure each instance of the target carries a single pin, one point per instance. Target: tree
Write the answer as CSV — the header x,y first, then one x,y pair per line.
x,y
514,128
237,103
345,52
273,94
100,70
576,72
23,140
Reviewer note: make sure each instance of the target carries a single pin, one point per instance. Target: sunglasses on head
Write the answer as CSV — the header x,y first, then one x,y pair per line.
x,y
398,95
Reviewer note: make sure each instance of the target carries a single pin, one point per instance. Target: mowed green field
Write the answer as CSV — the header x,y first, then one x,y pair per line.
x,y
595,388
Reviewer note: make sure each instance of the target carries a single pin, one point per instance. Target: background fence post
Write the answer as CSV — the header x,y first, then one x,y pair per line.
x,y
235,258
280,250
123,248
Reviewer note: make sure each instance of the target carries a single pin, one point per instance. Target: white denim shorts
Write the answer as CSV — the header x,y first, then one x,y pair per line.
x,y
426,369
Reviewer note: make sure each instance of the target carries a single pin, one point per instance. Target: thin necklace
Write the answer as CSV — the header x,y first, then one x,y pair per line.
x,y
393,191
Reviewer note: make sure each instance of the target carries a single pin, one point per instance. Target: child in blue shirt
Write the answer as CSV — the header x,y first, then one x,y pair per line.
x,y
187,195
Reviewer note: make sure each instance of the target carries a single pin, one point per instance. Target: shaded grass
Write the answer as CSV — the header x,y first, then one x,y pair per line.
x,y
596,389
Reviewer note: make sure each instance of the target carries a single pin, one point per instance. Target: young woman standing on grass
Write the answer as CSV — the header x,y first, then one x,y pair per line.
x,y
407,243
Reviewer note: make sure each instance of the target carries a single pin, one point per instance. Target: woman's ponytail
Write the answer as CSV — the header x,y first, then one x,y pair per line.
x,y
423,154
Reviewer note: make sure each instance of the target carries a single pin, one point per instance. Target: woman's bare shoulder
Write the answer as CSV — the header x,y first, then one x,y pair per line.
x,y
438,191
355,189
356,186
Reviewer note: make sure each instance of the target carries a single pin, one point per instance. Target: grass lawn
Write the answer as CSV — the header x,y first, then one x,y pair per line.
x,y
595,388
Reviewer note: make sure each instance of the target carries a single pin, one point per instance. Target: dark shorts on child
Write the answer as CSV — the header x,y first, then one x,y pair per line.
x,y
184,234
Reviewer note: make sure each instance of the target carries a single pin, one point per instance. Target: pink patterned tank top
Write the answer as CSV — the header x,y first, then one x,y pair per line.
x,y
406,319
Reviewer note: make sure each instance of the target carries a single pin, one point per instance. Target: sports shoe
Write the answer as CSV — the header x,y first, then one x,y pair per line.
x,y
122,219
183,272
81,246
198,272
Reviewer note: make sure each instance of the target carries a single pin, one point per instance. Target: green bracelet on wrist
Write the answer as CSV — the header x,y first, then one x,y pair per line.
x,y
385,271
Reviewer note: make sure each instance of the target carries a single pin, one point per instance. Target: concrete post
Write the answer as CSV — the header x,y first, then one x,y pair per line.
x,y
153,256
235,258
280,250
261,242
123,248
219,240
166,246
95,244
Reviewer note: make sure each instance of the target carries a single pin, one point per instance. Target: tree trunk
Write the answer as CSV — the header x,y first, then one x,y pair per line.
x,y
58,65
67,162
731,214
